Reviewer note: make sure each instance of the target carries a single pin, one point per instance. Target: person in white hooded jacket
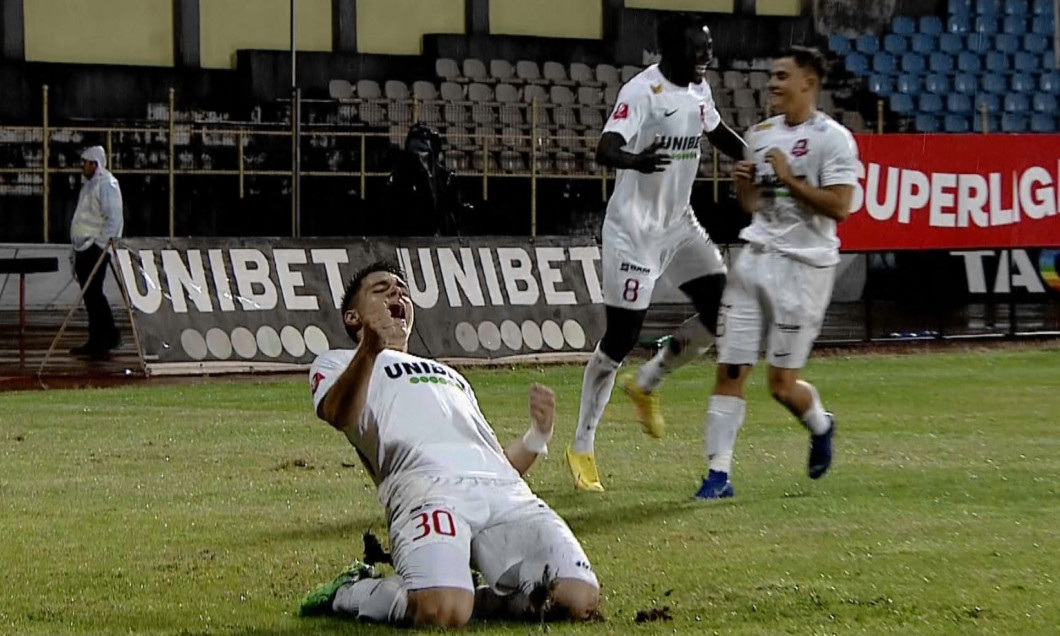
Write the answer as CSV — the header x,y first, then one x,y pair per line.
x,y
97,219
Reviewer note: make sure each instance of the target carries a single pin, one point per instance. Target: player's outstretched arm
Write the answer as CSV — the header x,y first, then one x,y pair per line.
x,y
831,201
524,451
609,153
747,193
726,140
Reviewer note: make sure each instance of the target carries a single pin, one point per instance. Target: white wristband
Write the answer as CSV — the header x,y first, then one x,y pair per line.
x,y
536,442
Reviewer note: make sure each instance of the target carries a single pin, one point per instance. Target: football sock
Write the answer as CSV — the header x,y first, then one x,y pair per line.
x,y
724,418
380,600
597,383
814,418
689,342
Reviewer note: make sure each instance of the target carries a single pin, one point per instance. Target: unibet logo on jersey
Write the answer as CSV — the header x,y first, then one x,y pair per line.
x,y
422,372
685,147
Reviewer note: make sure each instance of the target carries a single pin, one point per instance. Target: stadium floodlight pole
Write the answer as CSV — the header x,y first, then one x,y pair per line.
x,y
296,133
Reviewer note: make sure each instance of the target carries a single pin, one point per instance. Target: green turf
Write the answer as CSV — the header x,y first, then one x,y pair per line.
x,y
212,507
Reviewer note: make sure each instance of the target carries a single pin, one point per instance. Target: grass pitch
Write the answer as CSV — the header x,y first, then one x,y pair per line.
x,y
211,507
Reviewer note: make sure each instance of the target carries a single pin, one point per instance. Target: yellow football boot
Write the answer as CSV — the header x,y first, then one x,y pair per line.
x,y
649,412
583,469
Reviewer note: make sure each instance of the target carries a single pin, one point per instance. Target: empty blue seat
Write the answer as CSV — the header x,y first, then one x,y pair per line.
x,y
913,63
1043,123
901,104
1035,43
955,124
966,83
1042,7
903,25
908,84
985,24
923,43
1013,123
1015,25
1042,25
957,103
950,43
988,7
939,63
1050,82
880,84
994,83
1016,7
1044,103
930,103
883,62
931,25
1048,61
894,43
992,103
991,123
1027,62
937,83
839,44
856,63
1023,83
926,123
978,42
1007,43
997,62
968,62
1016,103
959,7
958,24
867,44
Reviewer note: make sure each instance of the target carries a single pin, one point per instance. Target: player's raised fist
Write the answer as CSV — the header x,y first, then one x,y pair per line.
x,y
744,171
542,407
385,327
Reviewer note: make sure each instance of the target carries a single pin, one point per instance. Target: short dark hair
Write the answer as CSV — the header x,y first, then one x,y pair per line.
x,y
355,283
808,58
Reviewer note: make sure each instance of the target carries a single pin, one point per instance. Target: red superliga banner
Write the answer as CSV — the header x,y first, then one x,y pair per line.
x,y
955,191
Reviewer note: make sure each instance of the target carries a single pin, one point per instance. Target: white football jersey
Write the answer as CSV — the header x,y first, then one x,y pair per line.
x,y
819,150
420,416
650,107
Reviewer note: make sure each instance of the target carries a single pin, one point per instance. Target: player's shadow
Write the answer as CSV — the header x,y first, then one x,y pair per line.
x,y
605,514
347,528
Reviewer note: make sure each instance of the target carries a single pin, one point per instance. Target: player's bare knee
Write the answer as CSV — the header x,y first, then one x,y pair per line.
x,y
782,389
578,599
729,379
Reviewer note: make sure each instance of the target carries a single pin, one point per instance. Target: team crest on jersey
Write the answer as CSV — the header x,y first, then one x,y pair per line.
x,y
621,112
801,148
656,88
764,126
314,384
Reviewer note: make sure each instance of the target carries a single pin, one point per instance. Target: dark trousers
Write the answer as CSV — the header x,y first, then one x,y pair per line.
x,y
101,330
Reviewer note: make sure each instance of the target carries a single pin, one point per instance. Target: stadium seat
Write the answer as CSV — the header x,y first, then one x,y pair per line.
x,y
996,62
880,84
1007,43
938,63
452,92
1016,103
994,83
582,75
1050,83
1023,83
369,89
424,90
926,123
1013,123
923,43
958,104
965,83
959,7
607,75
508,94
629,71
903,25
1014,25
733,80
1042,7
955,124
475,70
901,104
985,24
951,43
1017,7
591,117
395,89
758,80
911,63
590,96
1048,61
535,93
456,114
1043,123
528,71
978,42
867,44
1042,25
1044,103
340,89
1027,62
478,92
824,101
937,83
502,71
447,70
1035,43
555,73
839,44
561,95
959,25
856,63
991,123
744,98
968,62
931,25
930,103
988,7
896,44
908,84
991,102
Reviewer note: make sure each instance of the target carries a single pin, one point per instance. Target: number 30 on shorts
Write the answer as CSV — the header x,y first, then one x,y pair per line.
x,y
631,290
439,522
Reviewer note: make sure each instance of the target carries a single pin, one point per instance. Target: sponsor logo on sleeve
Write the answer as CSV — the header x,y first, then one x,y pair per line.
x,y
621,111
314,384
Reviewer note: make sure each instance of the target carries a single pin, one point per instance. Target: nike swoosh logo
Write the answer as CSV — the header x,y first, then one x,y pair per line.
x,y
670,112
781,355
761,149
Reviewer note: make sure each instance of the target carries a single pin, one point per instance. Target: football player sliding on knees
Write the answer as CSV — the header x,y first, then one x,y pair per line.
x,y
653,140
797,183
454,498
